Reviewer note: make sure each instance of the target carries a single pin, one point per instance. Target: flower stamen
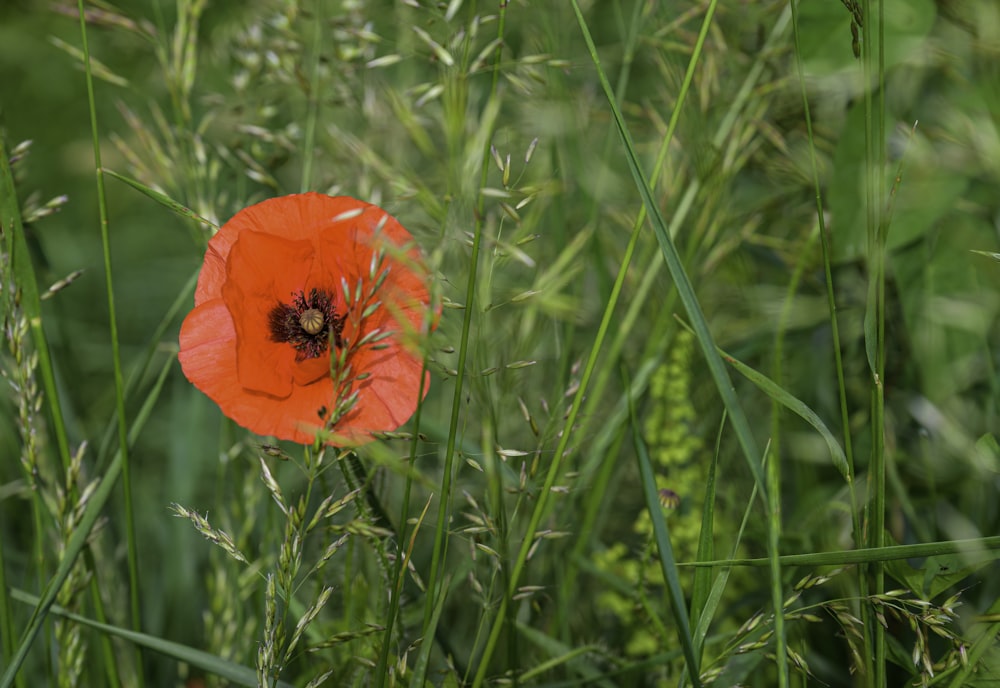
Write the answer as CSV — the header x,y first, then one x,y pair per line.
x,y
306,323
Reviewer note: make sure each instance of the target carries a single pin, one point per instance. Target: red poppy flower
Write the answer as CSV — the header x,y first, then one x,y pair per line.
x,y
285,283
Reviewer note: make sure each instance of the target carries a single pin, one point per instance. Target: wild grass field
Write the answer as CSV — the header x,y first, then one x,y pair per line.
x,y
679,367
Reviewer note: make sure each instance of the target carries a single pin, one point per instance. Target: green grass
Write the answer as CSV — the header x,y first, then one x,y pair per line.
x,y
713,394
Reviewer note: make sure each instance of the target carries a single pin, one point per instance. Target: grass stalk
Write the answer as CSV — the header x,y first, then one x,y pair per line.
x,y
875,197
78,538
435,579
27,301
398,575
600,484
313,101
867,555
720,376
668,565
23,273
859,537
18,274
128,515
556,464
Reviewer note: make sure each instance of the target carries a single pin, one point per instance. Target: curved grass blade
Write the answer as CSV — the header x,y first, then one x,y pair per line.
x,y
223,668
795,405
684,287
576,658
867,555
161,198
720,376
423,659
678,607
80,536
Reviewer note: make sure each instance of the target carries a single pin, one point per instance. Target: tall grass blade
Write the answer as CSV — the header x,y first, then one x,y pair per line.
x,y
795,405
116,359
161,198
213,664
668,565
80,535
429,628
873,38
866,555
681,280
686,292
16,246
704,597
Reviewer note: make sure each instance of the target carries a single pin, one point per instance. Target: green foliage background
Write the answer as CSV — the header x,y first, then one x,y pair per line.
x,y
212,105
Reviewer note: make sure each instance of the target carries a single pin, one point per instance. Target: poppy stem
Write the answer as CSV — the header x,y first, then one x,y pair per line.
x,y
361,479
357,478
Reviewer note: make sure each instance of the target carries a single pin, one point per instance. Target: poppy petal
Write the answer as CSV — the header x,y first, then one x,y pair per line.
x,y
213,273
255,284
310,370
296,418
208,349
384,407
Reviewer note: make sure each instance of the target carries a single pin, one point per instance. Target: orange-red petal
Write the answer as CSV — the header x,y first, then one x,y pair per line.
x,y
261,272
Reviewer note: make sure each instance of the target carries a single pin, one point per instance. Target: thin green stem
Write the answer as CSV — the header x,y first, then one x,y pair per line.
x,y
399,569
719,374
773,466
866,555
78,538
596,493
312,112
868,626
875,310
830,296
555,466
7,616
437,559
20,272
133,550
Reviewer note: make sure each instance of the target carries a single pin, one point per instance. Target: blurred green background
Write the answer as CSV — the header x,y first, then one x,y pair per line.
x,y
751,234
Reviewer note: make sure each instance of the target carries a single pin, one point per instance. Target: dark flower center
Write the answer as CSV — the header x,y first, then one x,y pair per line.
x,y
306,323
